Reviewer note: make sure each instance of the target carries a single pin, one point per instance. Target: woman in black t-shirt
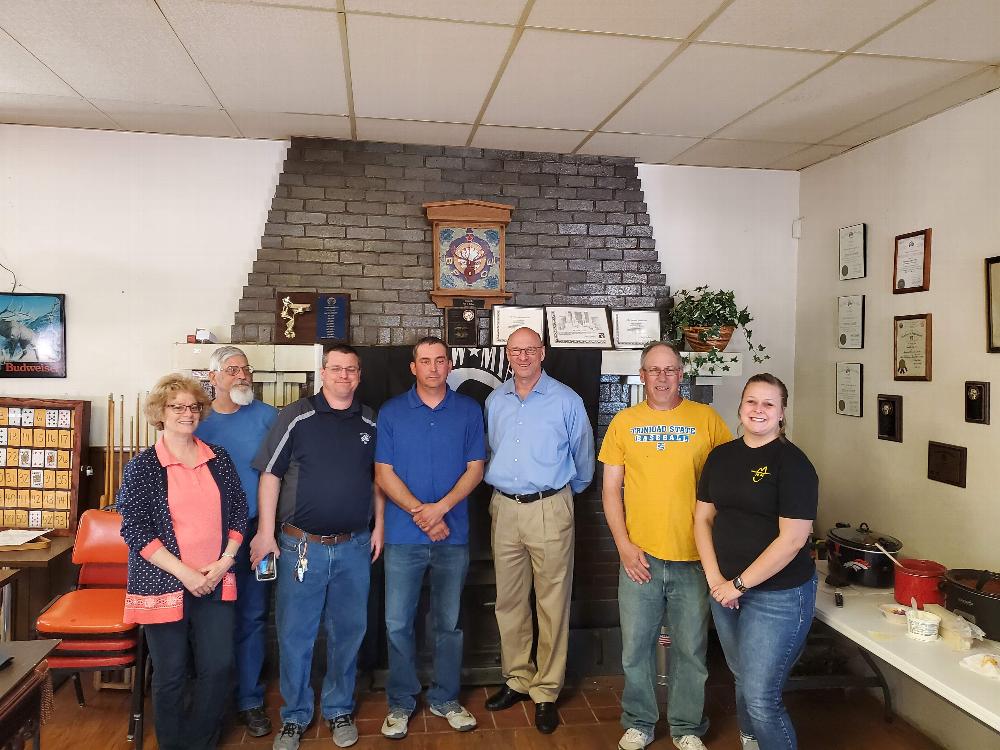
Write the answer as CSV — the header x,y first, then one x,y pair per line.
x,y
757,500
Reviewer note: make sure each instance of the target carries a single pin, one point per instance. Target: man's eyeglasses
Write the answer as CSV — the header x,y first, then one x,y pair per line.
x,y
517,351
236,370
337,369
670,372
179,409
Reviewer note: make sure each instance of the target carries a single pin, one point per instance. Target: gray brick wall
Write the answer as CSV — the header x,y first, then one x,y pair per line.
x,y
348,217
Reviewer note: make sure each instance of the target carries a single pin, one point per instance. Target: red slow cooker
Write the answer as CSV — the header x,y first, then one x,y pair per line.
x,y
920,580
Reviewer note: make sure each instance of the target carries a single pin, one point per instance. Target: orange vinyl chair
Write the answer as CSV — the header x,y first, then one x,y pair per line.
x,y
90,619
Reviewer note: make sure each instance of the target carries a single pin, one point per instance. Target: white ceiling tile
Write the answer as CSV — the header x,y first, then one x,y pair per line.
x,y
710,85
571,81
947,29
55,111
262,58
289,124
673,18
715,152
404,131
806,157
651,149
20,73
163,118
805,24
969,87
849,92
528,139
422,70
111,49
490,11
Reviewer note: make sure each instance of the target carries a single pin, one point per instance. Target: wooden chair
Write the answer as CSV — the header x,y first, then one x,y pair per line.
x,y
90,619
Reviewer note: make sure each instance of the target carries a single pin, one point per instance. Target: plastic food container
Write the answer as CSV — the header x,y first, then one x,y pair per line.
x,y
894,613
958,635
922,626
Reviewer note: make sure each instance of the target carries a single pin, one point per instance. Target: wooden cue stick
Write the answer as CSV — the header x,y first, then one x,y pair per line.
x,y
135,445
121,444
106,500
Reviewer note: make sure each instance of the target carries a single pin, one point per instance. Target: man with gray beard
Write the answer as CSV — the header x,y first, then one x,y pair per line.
x,y
239,424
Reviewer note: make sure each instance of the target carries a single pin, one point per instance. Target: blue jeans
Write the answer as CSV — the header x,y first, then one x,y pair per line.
x,y
679,590
334,589
404,573
762,640
253,603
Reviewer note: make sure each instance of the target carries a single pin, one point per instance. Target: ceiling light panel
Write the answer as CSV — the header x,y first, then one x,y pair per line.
x,y
422,70
571,81
669,18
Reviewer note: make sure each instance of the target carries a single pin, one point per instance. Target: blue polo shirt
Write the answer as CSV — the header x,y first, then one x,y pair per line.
x,y
429,450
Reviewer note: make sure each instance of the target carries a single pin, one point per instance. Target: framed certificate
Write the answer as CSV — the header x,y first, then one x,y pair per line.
x,y
890,418
851,321
911,347
993,304
850,381
853,252
633,329
578,327
911,265
508,318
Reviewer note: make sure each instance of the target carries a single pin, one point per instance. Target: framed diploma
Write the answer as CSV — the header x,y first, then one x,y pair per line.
x,y
911,347
850,381
578,327
993,304
890,418
508,318
633,329
853,248
851,321
911,265
977,402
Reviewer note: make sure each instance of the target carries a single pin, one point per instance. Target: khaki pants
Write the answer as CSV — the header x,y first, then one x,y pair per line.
x,y
533,544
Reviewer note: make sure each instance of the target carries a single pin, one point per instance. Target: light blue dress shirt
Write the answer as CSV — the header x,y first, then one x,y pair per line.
x,y
543,442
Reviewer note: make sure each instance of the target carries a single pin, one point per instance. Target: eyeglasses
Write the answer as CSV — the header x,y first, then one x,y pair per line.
x,y
337,369
517,351
654,372
179,409
236,370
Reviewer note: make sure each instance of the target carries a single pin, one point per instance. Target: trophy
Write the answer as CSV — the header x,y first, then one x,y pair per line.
x,y
289,311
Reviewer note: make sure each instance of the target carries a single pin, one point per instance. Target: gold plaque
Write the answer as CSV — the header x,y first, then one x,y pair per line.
x,y
65,439
21,518
13,436
48,498
51,438
35,499
60,520
9,517
24,498
10,477
62,499
47,519
38,437
3,415
62,459
61,479
23,478
10,497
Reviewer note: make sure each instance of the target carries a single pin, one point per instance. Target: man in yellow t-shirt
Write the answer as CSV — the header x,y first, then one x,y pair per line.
x,y
658,449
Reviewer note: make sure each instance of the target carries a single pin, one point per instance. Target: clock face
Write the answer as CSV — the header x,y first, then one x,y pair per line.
x,y
469,258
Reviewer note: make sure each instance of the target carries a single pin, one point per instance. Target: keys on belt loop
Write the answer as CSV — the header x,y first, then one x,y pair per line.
x,y
303,563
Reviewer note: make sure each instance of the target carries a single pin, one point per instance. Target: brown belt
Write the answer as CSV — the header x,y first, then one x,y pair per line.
x,y
329,539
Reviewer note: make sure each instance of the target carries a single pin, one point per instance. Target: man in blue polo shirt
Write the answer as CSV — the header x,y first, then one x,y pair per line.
x,y
429,457
317,482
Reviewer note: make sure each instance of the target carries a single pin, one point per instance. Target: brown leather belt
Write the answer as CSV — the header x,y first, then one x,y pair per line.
x,y
530,497
329,539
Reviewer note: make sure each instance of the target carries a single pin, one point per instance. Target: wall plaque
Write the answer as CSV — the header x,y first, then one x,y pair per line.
x,y
890,418
309,318
946,463
977,402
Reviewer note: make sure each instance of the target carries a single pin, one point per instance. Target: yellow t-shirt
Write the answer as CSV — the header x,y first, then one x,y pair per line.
x,y
663,453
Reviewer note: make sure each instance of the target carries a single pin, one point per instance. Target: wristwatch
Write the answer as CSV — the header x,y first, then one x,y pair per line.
x,y
738,583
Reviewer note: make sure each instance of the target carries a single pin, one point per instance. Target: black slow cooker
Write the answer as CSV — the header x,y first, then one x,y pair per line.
x,y
853,557
975,595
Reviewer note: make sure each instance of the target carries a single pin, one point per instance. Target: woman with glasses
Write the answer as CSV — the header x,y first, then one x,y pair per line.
x,y
183,518
757,501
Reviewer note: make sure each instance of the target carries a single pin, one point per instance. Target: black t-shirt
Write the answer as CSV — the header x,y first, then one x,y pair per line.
x,y
751,488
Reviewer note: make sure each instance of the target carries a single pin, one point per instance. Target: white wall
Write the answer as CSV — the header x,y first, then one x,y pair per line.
x,y
148,236
732,229
942,174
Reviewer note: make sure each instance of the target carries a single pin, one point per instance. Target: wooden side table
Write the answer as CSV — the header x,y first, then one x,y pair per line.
x,y
21,684
46,574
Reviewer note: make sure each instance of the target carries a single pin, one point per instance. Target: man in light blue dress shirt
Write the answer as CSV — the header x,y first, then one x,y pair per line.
x,y
542,453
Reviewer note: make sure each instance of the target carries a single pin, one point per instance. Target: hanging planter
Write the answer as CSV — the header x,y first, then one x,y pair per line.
x,y
702,339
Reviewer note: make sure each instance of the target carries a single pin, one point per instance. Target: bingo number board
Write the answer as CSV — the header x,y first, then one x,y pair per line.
x,y
42,443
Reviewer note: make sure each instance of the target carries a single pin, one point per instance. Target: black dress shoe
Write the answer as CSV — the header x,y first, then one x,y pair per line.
x,y
256,721
546,717
504,698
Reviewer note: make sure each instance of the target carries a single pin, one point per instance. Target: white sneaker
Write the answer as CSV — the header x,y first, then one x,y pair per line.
x,y
458,717
749,743
634,739
689,742
396,724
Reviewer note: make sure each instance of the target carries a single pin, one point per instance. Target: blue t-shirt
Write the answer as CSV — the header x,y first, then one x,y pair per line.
x,y
241,434
429,450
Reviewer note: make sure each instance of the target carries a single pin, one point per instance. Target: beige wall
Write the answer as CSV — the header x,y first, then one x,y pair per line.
x,y
943,173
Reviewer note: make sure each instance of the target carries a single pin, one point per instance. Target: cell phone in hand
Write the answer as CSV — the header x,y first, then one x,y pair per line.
x,y
266,570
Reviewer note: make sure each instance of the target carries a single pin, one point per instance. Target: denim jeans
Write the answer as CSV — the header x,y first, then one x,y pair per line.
x,y
253,603
205,631
334,589
762,640
679,590
404,573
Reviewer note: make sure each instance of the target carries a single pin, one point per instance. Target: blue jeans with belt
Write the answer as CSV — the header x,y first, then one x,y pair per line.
x,y
762,641
404,574
253,604
333,590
